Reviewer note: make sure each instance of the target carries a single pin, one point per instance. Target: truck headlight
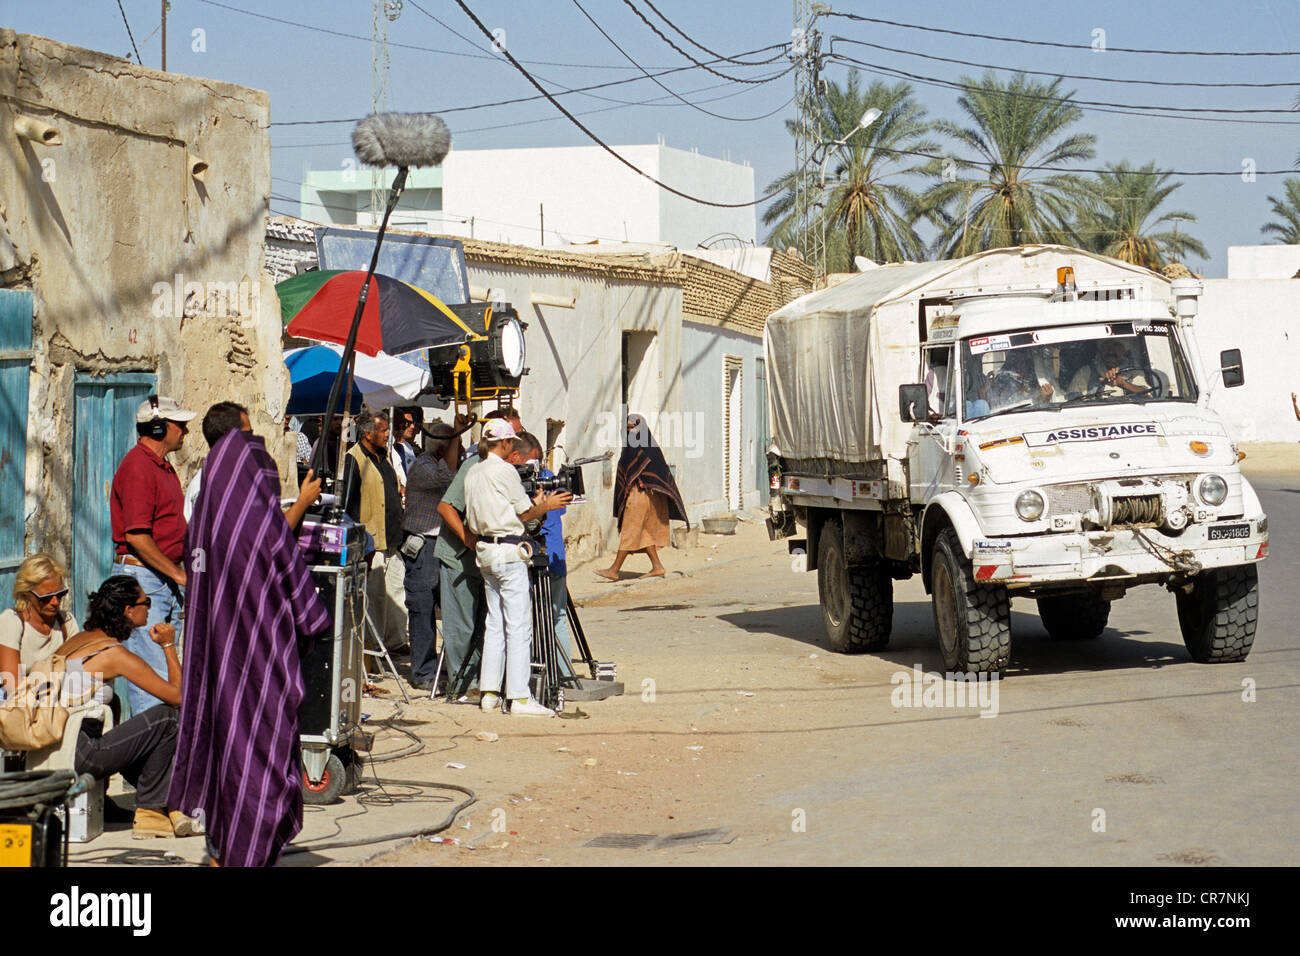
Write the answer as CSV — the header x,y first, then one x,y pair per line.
x,y
1030,505
1212,489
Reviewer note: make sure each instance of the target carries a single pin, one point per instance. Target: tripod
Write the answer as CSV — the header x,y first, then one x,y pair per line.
x,y
550,672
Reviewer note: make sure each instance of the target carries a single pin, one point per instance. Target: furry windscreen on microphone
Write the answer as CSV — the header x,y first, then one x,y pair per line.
x,y
401,139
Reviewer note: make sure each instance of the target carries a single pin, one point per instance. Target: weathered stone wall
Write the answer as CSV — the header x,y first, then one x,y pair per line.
x,y
134,264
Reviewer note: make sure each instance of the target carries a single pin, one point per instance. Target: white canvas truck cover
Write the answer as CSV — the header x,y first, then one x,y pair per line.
x,y
835,358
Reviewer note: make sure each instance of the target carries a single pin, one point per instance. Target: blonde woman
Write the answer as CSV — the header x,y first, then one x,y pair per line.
x,y
37,623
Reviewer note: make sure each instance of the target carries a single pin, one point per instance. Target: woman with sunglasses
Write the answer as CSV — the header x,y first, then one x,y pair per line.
x,y
142,748
37,623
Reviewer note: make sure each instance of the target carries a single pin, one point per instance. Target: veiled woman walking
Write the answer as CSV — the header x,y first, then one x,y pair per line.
x,y
646,498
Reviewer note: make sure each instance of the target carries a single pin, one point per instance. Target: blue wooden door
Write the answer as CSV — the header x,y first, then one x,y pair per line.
x,y
15,366
104,431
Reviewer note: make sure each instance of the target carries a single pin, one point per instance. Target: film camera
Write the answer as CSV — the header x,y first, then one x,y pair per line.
x,y
569,477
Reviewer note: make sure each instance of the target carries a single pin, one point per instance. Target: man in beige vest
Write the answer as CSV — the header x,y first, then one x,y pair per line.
x,y
373,498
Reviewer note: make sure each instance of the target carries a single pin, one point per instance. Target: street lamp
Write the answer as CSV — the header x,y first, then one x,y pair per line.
x,y
869,117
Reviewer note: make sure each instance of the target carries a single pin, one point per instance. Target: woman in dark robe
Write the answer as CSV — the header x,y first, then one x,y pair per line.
x,y
250,607
645,499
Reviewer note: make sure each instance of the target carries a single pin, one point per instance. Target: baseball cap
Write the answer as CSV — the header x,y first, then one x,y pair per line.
x,y
165,408
498,428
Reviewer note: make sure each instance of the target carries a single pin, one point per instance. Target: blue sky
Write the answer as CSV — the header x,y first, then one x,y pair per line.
x,y
314,75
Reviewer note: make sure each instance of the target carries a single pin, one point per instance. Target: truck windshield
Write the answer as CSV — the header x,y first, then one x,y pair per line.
x,y
1062,366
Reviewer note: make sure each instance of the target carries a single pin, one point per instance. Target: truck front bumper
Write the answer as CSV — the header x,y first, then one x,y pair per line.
x,y
1125,555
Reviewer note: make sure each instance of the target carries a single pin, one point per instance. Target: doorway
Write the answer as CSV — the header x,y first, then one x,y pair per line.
x,y
732,430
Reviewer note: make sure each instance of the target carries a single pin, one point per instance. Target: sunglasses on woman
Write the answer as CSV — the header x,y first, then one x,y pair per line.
x,y
143,602
47,598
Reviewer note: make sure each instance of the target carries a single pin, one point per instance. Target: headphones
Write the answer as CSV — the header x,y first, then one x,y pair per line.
x,y
155,427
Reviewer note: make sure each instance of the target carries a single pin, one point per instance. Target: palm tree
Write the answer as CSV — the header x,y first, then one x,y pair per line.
x,y
1022,123
1288,211
862,215
1122,220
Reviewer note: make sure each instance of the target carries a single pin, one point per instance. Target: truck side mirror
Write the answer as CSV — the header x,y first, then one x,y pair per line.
x,y
1230,368
913,403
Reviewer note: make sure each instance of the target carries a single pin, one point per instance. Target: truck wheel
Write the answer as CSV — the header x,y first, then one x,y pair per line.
x,y
857,602
973,621
1074,617
1218,617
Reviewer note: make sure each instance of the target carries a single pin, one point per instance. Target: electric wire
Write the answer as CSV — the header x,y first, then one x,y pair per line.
x,y
673,93
661,36
601,143
129,34
954,85
1050,43
1070,99
540,96
692,42
1065,76
393,43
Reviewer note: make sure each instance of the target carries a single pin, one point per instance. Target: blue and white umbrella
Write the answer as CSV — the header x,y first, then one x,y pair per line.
x,y
379,381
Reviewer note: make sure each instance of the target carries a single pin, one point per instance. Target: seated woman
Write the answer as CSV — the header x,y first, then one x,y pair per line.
x,y
37,623
141,749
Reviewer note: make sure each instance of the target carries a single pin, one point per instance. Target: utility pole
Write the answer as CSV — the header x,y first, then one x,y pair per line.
x,y
385,11
805,53
164,36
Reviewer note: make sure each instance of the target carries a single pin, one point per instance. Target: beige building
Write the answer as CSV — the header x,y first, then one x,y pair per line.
x,y
132,225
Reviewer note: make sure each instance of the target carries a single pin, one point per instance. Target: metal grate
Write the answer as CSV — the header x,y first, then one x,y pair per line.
x,y
622,841
1068,499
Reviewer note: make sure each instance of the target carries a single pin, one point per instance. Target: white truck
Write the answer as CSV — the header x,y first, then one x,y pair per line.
x,y
1030,421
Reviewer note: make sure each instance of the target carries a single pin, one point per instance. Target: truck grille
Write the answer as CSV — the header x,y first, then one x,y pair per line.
x,y
1136,509
1068,499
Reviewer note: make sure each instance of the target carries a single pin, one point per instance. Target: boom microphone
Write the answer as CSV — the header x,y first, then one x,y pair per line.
x,y
401,139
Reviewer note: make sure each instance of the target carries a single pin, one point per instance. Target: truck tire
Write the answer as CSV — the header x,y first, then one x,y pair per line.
x,y
1074,617
857,602
973,621
1219,615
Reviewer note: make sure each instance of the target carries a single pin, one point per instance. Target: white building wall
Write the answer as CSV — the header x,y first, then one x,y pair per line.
x,y
704,351
1263,262
586,194
686,224
1262,318
575,361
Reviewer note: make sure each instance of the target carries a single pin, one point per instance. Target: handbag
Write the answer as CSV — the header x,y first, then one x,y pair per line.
x,y
37,713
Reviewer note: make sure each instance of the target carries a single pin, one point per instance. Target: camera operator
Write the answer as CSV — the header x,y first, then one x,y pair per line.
x,y
552,534
495,511
428,478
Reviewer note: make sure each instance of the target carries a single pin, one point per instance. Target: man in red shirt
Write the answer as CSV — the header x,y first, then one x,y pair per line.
x,y
147,506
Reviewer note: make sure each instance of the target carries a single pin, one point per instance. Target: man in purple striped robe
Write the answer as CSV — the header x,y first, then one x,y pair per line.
x,y
249,608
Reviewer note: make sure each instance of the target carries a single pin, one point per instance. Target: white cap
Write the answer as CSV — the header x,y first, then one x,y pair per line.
x,y
161,406
497,429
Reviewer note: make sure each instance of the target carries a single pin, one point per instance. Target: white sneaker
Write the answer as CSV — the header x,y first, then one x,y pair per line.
x,y
490,702
529,708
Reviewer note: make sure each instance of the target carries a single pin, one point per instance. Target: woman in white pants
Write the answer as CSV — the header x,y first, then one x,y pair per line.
x,y
496,508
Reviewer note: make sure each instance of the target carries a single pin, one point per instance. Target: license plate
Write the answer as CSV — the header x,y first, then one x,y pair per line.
x,y
15,844
1226,532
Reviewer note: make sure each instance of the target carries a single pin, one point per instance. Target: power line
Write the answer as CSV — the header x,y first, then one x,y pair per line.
x,y
1064,46
1108,108
698,46
1066,76
597,140
529,99
641,16
129,34
672,93
982,164
1070,99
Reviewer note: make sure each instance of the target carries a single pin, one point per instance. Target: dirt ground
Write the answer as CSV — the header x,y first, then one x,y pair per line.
x,y
737,717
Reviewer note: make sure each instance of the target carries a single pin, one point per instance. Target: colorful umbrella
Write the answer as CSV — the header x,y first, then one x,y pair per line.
x,y
379,381
398,317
